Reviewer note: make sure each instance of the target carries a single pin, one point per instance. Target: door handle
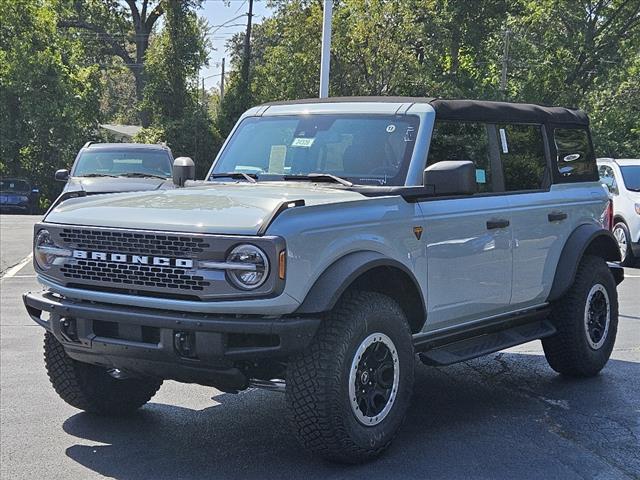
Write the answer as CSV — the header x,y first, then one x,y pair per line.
x,y
499,223
557,216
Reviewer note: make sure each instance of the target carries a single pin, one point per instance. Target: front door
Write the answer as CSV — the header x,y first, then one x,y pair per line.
x,y
468,239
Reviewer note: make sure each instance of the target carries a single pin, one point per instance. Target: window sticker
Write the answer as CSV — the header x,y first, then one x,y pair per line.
x,y
302,142
276,158
481,175
503,141
391,128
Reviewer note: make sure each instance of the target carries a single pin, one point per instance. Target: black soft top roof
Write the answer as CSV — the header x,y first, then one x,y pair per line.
x,y
471,110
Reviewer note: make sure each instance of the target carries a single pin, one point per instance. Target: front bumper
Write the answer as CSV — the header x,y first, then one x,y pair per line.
x,y
191,347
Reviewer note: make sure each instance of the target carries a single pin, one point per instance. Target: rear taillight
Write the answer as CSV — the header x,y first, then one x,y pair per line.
x,y
607,216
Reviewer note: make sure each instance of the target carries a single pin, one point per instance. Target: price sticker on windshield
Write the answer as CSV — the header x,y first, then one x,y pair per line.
x,y
302,142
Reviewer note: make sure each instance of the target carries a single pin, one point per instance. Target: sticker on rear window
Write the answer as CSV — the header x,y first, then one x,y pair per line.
x,y
302,142
391,128
503,141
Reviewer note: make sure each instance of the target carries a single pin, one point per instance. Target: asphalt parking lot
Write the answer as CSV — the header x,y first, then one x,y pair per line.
x,y
507,415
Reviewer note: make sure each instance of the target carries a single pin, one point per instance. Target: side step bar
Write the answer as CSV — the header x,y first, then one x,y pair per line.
x,y
461,344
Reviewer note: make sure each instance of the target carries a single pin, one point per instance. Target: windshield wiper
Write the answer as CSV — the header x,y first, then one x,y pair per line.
x,y
141,175
320,177
249,177
90,175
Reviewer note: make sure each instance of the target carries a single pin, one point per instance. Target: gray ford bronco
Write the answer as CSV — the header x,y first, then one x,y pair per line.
x,y
330,243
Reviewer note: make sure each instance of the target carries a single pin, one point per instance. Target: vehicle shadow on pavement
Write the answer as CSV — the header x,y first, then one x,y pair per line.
x,y
507,415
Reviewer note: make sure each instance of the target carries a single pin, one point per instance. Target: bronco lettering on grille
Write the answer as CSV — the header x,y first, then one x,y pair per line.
x,y
133,259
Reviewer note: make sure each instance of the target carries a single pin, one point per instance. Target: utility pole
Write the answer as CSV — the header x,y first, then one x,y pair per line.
x,y
326,48
222,82
203,97
247,51
505,64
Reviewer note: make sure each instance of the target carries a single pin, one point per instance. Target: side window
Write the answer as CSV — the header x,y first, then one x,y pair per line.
x,y
608,179
523,160
576,160
463,141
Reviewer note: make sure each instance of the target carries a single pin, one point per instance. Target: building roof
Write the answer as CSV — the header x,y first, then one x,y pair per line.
x,y
469,110
125,130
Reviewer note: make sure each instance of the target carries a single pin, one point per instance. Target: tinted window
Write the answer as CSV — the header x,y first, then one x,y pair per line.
x,y
522,153
14,186
608,179
631,176
576,160
463,141
365,149
119,162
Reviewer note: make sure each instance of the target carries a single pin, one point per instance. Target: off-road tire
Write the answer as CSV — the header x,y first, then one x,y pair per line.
x,y
318,380
629,259
568,351
91,388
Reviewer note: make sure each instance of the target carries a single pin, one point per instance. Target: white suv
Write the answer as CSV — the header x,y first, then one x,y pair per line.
x,y
622,179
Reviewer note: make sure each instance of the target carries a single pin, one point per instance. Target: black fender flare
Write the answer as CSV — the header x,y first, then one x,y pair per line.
x,y
338,276
587,238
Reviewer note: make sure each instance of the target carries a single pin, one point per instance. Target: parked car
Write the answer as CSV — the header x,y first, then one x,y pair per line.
x,y
17,195
333,240
621,177
118,167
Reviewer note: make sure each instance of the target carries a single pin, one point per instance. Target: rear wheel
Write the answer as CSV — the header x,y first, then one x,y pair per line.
x,y
623,237
92,388
349,391
587,322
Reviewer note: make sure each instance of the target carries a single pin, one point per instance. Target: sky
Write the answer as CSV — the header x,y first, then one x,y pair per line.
x,y
217,13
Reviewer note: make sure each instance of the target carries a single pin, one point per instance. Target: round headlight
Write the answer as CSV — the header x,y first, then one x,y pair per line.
x,y
46,251
251,266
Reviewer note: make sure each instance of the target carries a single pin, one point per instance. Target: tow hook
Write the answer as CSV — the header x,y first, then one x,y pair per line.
x,y
69,329
185,344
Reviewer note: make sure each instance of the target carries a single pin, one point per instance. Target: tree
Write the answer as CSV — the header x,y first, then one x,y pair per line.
x,y
171,95
48,96
119,30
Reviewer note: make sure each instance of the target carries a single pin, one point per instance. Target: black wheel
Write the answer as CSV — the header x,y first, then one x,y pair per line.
x,y
587,322
623,237
92,388
349,391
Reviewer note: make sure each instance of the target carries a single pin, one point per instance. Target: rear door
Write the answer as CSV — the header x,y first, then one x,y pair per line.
x,y
545,170
469,258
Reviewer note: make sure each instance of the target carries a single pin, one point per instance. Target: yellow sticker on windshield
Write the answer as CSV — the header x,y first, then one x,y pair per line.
x,y
276,159
302,142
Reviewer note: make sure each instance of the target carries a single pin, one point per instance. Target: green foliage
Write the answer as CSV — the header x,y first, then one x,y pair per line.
x,y
48,98
171,94
582,53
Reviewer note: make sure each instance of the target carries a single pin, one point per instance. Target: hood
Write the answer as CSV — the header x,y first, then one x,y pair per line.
x,y
112,185
222,208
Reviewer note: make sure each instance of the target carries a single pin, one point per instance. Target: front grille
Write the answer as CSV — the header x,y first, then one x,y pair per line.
x,y
134,243
134,275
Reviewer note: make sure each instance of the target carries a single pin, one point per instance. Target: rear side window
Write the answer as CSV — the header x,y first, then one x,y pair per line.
x,y
523,159
608,179
463,141
575,158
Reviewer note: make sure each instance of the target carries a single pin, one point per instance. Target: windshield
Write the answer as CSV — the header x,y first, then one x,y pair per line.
x,y
122,162
631,176
363,149
10,185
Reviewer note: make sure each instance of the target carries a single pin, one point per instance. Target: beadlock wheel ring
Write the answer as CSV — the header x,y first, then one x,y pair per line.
x,y
373,379
597,316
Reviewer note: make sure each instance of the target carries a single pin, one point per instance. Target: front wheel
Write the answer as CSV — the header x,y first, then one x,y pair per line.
x,y
349,391
587,321
92,388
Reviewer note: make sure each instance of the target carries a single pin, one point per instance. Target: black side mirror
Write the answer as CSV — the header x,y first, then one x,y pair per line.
x,y
62,175
183,169
451,177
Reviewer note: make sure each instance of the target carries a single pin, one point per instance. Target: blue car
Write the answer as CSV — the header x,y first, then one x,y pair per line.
x,y
18,196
